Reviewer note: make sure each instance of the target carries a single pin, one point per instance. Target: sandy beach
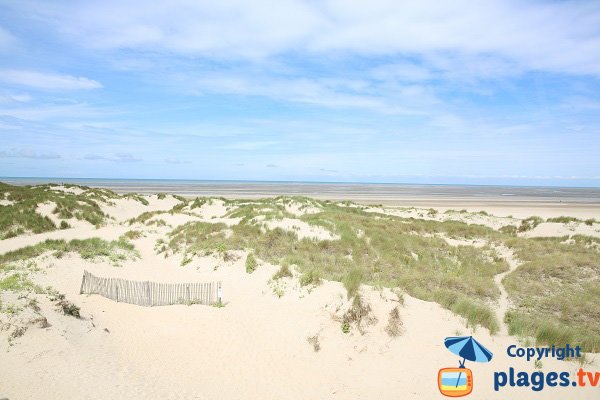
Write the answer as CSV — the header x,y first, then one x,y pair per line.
x,y
272,339
299,200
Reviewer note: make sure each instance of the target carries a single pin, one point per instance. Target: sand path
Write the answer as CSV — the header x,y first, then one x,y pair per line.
x,y
503,301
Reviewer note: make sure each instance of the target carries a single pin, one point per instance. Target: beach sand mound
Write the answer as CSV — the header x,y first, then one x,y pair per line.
x,y
271,339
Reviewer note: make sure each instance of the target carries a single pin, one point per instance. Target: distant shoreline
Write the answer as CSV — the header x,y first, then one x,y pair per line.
x,y
385,193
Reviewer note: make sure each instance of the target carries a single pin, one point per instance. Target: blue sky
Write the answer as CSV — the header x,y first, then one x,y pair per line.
x,y
491,92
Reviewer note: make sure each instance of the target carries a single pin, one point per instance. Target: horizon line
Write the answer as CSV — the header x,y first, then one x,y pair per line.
x,y
308,182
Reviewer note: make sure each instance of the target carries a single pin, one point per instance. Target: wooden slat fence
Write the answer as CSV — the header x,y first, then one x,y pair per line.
x,y
145,293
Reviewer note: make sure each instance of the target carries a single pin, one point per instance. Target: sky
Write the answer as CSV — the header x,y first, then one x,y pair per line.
x,y
465,92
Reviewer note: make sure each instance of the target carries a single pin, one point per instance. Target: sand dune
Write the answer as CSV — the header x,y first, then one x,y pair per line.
x,y
256,347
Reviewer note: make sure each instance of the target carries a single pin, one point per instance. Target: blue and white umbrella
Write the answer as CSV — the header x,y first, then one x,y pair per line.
x,y
469,349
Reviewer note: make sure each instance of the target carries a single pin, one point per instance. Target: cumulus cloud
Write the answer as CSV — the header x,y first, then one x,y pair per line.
x,y
47,81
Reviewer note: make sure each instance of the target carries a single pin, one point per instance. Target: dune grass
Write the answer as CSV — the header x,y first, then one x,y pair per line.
x,y
82,203
529,223
115,250
391,252
556,292
310,277
563,219
17,266
251,263
21,216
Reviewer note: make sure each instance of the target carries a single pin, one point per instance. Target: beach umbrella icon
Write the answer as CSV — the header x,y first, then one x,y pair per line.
x,y
469,349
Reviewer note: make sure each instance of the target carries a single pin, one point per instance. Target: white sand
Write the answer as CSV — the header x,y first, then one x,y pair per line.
x,y
299,209
545,229
253,348
123,209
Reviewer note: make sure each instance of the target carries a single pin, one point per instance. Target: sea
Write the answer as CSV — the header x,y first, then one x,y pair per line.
x,y
329,190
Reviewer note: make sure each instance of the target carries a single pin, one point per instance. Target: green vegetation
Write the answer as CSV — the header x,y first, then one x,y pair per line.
x,y
198,202
66,307
18,282
509,230
115,250
284,272
530,223
310,277
79,202
251,263
133,234
17,266
352,281
556,292
390,252
21,216
563,220
345,327
144,217
474,311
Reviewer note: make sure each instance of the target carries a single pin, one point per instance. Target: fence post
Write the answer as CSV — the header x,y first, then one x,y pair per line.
x,y
148,293
117,292
82,282
219,293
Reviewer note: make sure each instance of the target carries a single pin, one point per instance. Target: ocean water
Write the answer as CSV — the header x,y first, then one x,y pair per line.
x,y
331,190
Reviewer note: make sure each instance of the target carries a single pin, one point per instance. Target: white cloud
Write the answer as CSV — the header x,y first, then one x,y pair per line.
x,y
119,157
27,153
551,36
15,98
403,72
407,99
47,81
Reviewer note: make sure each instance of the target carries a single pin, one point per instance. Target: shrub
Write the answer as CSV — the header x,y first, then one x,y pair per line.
x,y
251,263
394,326
510,230
352,281
283,272
132,234
563,219
529,223
68,308
345,327
64,225
360,314
310,277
